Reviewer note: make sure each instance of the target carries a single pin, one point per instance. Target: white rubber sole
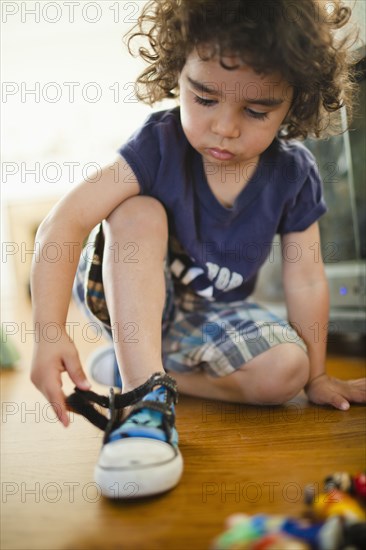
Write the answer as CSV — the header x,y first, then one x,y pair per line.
x,y
137,467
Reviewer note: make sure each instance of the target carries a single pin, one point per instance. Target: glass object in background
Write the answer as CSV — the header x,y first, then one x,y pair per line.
x,y
341,162
357,138
337,226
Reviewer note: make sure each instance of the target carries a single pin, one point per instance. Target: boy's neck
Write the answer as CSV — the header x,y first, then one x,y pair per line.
x,y
226,182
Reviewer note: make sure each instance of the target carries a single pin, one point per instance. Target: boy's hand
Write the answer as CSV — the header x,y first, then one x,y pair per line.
x,y
50,360
326,390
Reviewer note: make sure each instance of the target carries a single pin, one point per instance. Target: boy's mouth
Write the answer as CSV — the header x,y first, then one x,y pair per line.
x,y
220,154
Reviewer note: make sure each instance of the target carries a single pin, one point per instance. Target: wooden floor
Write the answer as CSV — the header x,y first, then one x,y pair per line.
x,y
237,459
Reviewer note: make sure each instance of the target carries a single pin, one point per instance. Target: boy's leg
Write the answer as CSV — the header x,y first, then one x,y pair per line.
x,y
238,352
273,377
136,237
139,450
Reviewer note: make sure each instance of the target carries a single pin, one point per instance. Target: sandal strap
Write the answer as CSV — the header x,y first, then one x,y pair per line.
x,y
164,408
82,402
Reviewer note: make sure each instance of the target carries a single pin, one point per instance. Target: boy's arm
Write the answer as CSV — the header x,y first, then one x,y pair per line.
x,y
307,301
66,227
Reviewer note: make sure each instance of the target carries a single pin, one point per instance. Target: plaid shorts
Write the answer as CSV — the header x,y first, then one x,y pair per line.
x,y
197,334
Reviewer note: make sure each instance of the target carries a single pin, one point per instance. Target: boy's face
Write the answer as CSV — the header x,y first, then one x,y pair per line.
x,y
231,116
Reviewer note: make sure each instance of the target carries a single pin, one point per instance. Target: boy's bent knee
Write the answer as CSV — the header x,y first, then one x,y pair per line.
x,y
291,372
140,214
279,375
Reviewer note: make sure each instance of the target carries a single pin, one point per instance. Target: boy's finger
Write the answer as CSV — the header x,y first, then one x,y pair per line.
x,y
61,413
355,391
359,390
358,395
339,402
77,374
57,400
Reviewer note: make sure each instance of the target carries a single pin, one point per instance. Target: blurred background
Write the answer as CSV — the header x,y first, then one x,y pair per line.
x,y
68,103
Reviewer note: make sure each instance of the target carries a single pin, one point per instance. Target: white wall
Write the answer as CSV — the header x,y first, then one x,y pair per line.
x,y
61,132
44,128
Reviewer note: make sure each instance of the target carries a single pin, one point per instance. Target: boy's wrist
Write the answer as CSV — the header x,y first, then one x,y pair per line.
x,y
47,330
312,379
44,315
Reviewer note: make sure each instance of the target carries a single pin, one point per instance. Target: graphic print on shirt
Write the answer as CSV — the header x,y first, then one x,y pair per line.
x,y
203,282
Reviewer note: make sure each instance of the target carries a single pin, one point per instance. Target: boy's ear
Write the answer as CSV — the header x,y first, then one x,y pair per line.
x,y
283,127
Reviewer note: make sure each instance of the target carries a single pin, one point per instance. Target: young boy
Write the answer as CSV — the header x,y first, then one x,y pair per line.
x,y
197,188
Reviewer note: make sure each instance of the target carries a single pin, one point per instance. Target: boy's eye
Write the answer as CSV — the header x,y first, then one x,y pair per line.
x,y
257,114
210,102
203,101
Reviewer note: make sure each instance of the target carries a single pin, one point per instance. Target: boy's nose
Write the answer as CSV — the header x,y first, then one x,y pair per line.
x,y
226,125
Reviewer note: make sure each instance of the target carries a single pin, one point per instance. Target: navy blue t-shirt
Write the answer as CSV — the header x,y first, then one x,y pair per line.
x,y
216,250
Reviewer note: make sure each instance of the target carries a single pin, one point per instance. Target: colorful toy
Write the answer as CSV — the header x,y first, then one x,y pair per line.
x,y
355,485
335,521
334,503
359,484
242,530
278,541
355,536
265,532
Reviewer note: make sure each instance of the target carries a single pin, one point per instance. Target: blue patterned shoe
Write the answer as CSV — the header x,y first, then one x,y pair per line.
x,y
140,455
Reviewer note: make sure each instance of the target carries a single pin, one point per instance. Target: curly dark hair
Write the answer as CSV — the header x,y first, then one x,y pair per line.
x,y
295,38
